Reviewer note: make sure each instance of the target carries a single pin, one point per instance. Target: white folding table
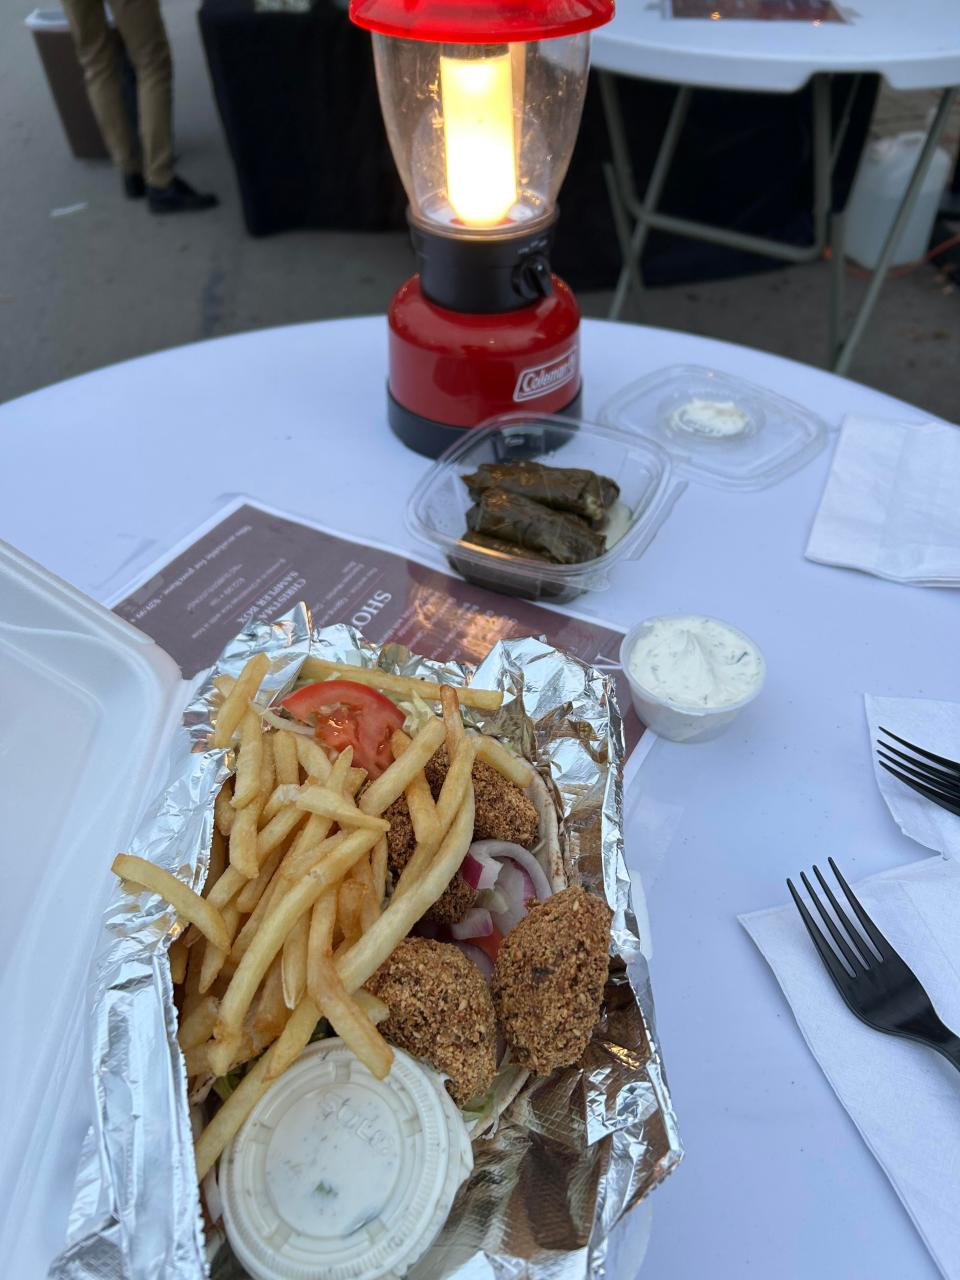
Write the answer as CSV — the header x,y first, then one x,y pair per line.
x,y
913,44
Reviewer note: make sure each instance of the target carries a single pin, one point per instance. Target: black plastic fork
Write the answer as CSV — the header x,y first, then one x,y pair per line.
x,y
931,775
876,983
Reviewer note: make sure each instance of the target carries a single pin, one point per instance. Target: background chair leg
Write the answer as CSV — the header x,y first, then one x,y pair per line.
x,y
907,204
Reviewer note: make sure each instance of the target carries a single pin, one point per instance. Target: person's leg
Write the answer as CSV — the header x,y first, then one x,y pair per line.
x,y
141,28
97,52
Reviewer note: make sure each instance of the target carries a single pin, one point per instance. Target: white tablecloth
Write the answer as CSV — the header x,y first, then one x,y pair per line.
x,y
912,45
100,474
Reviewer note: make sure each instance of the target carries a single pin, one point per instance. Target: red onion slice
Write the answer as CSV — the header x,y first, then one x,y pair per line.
x,y
481,850
480,870
477,923
479,957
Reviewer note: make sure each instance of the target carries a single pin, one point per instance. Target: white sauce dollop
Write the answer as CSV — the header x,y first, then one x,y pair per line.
x,y
693,661
703,417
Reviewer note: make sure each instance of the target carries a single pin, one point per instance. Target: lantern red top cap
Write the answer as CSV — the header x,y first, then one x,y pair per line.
x,y
480,21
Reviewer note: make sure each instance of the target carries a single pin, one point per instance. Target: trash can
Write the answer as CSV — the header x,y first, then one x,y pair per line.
x,y
51,33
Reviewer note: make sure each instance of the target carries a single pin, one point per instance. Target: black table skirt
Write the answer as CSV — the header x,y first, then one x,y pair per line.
x,y
298,100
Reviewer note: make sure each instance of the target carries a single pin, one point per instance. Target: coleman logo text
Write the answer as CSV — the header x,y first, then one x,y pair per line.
x,y
544,378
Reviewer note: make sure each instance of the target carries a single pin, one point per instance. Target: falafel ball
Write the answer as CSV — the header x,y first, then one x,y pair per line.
x,y
503,810
457,899
440,1009
549,977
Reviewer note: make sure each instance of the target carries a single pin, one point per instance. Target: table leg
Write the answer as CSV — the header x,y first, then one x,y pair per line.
x,y
910,196
630,273
837,249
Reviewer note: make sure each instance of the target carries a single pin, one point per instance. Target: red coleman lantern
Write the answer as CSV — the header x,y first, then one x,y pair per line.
x,y
482,101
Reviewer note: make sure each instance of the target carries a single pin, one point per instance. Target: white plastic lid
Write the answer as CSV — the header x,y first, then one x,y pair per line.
x,y
85,699
717,429
336,1174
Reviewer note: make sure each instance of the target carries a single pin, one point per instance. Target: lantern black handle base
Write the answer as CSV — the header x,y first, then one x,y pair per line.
x,y
430,438
484,275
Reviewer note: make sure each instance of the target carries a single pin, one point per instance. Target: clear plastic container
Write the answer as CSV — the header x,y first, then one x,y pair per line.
x,y
718,430
674,720
437,511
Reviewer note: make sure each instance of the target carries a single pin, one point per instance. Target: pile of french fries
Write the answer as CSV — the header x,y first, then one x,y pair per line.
x,y
294,916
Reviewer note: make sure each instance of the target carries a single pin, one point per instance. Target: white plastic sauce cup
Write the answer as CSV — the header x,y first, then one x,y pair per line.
x,y
671,719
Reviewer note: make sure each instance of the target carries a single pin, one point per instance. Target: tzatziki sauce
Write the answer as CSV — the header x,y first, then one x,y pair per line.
x,y
696,662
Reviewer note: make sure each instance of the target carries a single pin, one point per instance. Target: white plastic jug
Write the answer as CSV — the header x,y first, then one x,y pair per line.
x,y
885,169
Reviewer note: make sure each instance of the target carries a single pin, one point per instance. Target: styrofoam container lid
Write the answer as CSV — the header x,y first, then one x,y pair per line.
x,y
85,698
718,430
336,1173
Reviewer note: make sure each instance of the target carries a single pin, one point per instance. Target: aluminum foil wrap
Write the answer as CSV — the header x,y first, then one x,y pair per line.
x,y
572,1154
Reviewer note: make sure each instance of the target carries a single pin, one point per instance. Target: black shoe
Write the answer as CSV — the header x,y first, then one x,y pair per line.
x,y
178,197
134,187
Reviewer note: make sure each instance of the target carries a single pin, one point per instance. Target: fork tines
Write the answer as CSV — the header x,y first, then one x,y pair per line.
x,y
935,777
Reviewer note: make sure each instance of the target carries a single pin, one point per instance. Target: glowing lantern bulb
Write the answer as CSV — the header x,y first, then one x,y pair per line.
x,y
477,105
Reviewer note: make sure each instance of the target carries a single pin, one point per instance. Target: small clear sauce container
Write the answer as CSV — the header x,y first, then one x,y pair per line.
x,y
675,720
336,1173
437,511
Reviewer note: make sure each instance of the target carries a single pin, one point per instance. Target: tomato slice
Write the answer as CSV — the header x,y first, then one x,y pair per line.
x,y
347,714
490,944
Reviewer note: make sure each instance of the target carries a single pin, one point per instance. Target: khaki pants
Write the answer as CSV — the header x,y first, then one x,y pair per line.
x,y
141,28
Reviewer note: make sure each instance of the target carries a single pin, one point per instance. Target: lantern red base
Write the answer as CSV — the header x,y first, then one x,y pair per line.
x,y
451,370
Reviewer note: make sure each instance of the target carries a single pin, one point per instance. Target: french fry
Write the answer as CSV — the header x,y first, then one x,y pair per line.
x,y
423,812
278,922
198,1026
298,863
246,786
371,1005
450,800
217,861
355,780
294,962
214,957
268,1014
226,888
331,804
277,829
313,758
268,773
244,841
349,901
285,757
368,907
378,870
252,922
283,794
235,704
323,917
223,811
394,779
366,955
177,956
191,983
404,686
187,904
456,782
196,1061
496,755
452,718
282,1054
348,1020
253,890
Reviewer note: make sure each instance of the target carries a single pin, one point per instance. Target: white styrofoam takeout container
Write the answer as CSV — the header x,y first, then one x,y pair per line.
x,y
85,700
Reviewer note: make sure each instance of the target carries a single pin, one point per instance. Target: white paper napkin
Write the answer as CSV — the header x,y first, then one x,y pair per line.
x,y
892,502
929,724
903,1097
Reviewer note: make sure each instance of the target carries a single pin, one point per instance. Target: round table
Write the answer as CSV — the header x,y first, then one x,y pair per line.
x,y
104,473
913,46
